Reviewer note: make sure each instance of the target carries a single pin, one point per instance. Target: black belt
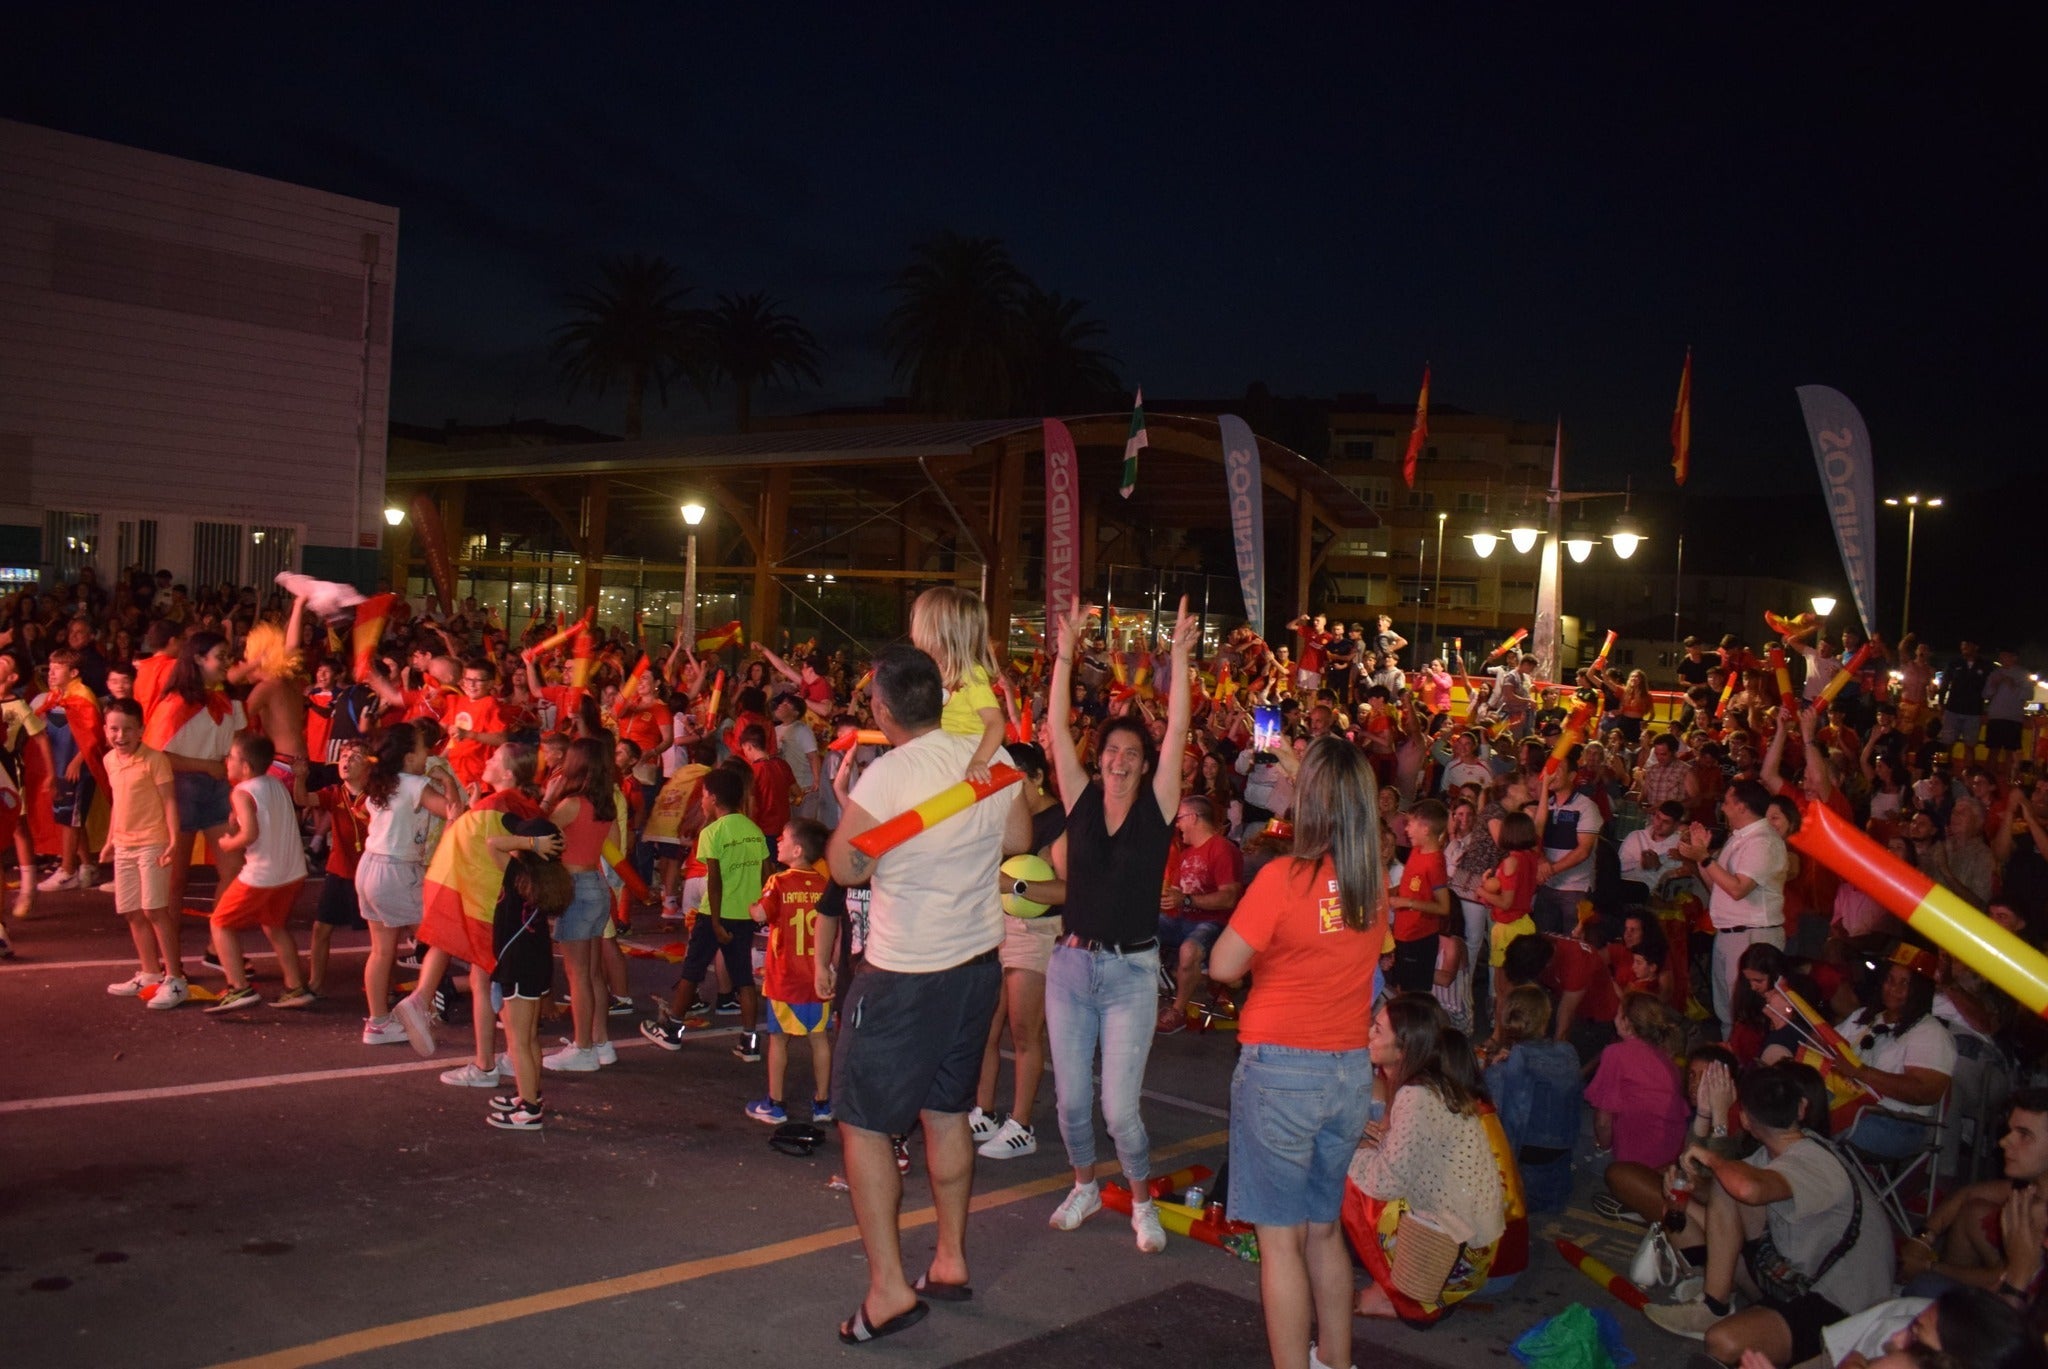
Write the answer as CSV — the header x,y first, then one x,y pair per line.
x,y
1082,943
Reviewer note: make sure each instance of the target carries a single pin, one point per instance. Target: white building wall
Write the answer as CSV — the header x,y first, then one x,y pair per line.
x,y
189,344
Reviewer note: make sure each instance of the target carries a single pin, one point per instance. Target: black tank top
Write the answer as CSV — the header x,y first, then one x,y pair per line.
x,y
1113,881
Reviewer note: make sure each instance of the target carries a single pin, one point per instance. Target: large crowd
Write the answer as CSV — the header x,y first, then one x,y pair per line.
x,y
1467,927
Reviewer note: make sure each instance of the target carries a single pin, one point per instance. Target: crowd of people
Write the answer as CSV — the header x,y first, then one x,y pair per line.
x,y
1467,926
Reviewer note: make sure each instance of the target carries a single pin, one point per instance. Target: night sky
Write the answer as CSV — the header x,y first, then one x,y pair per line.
x,y
1547,207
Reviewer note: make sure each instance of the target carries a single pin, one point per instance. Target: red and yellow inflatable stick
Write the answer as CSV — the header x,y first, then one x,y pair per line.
x,y
1727,690
551,642
1510,644
1575,725
884,837
1934,912
1779,668
1599,1273
866,736
1847,673
707,715
1600,661
1796,628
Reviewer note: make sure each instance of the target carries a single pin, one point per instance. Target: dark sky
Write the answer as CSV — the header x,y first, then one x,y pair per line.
x,y
1549,207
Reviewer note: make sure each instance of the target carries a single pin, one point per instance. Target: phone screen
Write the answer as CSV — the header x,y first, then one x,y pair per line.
x,y
1265,728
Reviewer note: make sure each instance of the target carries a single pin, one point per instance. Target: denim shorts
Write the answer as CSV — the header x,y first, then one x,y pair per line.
x,y
202,801
1296,1117
584,918
1175,931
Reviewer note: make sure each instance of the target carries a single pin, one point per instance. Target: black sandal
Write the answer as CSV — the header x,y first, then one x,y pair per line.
x,y
942,1292
859,1330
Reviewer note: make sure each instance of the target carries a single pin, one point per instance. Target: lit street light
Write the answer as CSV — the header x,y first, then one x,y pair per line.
x,y
1913,504
1823,605
693,514
394,515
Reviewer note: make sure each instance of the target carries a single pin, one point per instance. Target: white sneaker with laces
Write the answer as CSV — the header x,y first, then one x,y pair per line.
x,y
169,995
469,1076
56,882
1145,1222
1082,1202
1011,1141
981,1125
134,984
384,1033
88,875
1689,1319
570,1060
606,1053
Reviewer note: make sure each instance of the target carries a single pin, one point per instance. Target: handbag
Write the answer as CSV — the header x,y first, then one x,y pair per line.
x,y
1656,1264
1782,1281
1423,1258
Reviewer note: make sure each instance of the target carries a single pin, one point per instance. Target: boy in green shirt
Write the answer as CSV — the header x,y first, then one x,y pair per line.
x,y
735,855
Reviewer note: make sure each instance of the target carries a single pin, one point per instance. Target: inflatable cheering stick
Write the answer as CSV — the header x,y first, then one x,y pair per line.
x,y
884,837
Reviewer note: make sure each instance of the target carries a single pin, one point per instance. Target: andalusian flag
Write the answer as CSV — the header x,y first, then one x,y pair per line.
x,y
1135,443
1681,423
1418,434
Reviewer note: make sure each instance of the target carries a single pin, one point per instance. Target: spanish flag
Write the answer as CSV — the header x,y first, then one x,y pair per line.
x,y
460,898
721,637
1418,434
1681,424
371,615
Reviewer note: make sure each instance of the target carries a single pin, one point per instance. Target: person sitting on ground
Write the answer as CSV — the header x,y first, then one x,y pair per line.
x,y
1961,1242
1638,1099
1965,1328
1810,1238
1577,977
1428,1173
1535,1085
1636,1192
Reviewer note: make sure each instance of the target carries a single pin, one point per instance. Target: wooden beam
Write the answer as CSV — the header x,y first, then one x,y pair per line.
x,y
564,517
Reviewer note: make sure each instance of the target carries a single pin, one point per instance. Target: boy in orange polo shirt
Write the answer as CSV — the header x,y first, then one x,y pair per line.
x,y
140,837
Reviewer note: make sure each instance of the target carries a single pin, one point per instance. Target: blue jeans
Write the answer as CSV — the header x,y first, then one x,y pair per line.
x,y
1295,1120
1101,998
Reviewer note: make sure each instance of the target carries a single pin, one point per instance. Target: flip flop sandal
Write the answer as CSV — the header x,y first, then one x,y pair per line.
x,y
859,1331
942,1292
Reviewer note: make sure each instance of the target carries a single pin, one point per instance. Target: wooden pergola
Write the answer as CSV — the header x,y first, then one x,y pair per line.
x,y
956,501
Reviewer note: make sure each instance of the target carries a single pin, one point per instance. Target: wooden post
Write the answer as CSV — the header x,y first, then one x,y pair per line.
x,y
774,524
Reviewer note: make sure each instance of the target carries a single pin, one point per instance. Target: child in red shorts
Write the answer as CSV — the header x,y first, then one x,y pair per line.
x,y
263,825
789,981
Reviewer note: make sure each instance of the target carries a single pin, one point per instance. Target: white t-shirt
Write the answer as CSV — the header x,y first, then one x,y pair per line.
x,y
1924,1045
204,739
935,903
276,856
797,744
398,830
1632,847
1812,1221
1758,852
1563,826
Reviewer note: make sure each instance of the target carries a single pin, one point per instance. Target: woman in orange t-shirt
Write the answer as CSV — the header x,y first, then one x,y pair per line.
x,y
1311,928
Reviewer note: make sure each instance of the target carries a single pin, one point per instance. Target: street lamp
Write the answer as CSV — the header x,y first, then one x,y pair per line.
x,y
1523,531
1913,503
1483,543
394,515
1579,540
1626,536
693,514
1823,605
1436,599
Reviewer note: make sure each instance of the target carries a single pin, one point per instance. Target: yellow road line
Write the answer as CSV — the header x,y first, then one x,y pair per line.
x,y
666,1276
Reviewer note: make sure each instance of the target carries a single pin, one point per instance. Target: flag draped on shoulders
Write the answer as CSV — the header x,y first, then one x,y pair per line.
x,y
460,898
1418,434
1135,443
173,711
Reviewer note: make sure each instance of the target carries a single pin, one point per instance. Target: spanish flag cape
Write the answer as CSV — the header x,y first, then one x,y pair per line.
x,y
672,805
464,881
172,711
82,716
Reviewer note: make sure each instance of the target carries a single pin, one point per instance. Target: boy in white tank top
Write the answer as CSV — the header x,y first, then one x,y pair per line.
x,y
263,826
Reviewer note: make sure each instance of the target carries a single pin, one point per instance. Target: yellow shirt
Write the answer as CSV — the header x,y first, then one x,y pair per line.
x,y
138,818
964,704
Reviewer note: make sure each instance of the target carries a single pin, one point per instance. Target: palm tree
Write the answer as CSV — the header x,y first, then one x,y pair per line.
x,y
1057,367
634,328
749,341
951,332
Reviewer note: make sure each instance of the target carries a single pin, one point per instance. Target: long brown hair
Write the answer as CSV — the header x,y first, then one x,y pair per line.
x,y
587,774
1336,814
1434,1054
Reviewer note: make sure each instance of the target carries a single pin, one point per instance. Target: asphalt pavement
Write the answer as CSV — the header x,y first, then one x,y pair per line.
x,y
262,1189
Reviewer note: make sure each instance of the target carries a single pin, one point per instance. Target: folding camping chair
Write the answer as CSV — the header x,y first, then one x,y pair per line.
x,y
1904,1184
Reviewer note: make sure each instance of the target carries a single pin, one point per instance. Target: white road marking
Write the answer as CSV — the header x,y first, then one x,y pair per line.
x,y
17,966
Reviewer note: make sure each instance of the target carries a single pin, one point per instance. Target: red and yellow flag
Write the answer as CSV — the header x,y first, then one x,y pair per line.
x,y
1418,434
371,615
1681,424
721,637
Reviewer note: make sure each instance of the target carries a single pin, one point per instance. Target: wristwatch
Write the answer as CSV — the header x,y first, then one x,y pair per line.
x,y
1018,888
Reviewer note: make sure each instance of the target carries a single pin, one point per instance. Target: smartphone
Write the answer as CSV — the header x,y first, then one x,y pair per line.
x,y
1265,728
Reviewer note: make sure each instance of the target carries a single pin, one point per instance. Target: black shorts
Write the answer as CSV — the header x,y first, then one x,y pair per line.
x,y
2002,734
337,906
526,962
911,1043
71,800
1804,1315
1415,965
737,953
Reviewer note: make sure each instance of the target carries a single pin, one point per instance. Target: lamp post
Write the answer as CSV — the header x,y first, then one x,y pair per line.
x,y
1526,528
1823,605
1913,503
1436,595
693,514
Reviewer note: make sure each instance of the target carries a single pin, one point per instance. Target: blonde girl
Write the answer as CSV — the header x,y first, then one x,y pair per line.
x,y
951,626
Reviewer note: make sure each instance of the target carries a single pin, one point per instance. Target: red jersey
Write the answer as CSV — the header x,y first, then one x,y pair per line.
x,y
1517,875
789,901
773,780
648,727
349,815
1204,869
1312,644
1577,968
1421,877
319,722
466,757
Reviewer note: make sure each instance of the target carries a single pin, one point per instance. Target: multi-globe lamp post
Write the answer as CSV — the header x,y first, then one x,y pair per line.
x,y
1525,529
693,514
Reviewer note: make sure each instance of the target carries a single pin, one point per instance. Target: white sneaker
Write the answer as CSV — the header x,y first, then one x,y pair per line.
x,y
981,1125
384,1033
606,1052
169,995
56,882
469,1076
570,1060
134,984
1011,1141
412,1020
504,1064
1689,1319
88,875
1145,1222
1082,1202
